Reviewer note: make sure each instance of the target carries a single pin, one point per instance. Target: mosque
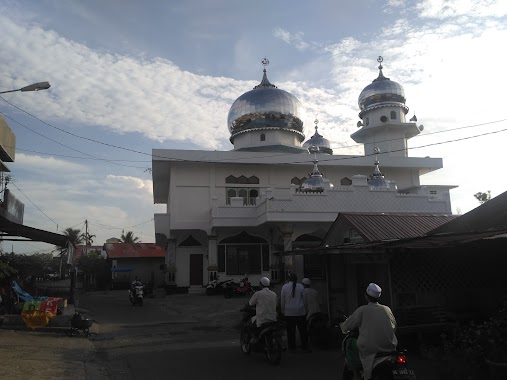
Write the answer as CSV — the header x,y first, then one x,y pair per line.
x,y
229,212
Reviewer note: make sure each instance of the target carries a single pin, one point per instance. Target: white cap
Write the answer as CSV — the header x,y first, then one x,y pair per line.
x,y
306,281
265,281
373,290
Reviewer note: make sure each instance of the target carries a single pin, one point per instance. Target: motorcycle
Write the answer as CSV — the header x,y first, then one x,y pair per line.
x,y
215,286
136,294
318,332
386,366
269,341
242,288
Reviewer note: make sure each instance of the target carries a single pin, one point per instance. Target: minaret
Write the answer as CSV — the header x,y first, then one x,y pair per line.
x,y
383,123
316,183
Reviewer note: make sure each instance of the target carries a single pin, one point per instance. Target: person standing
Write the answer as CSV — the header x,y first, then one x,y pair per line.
x,y
292,306
311,299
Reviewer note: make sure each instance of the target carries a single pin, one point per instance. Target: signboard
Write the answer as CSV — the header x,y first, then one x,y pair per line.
x,y
14,207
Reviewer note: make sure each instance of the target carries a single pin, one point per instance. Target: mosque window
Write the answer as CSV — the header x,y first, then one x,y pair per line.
x,y
242,254
263,137
345,181
249,195
297,181
393,115
383,119
367,121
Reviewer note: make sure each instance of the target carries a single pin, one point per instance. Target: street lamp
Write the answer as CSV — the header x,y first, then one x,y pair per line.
x,y
31,87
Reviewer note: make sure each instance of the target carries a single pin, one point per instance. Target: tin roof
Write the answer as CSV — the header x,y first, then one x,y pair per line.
x,y
386,226
122,250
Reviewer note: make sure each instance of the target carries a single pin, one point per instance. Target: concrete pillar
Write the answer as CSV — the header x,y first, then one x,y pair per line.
x,y
212,257
170,262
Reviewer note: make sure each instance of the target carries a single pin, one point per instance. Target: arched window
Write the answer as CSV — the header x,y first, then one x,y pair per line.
x,y
345,181
393,115
367,121
231,179
230,194
295,181
252,194
263,137
242,254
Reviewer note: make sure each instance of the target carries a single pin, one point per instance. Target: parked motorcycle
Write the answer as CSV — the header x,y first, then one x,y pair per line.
x,y
215,286
386,366
269,341
242,288
136,294
318,331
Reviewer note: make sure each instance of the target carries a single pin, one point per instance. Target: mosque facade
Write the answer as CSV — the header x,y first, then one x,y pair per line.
x,y
229,212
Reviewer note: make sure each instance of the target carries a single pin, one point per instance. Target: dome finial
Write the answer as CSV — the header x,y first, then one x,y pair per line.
x,y
316,122
381,76
265,82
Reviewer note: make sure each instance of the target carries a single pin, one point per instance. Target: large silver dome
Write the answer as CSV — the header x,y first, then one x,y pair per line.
x,y
381,90
265,107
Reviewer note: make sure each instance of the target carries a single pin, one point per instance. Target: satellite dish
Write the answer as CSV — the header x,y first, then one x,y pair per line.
x,y
421,128
359,124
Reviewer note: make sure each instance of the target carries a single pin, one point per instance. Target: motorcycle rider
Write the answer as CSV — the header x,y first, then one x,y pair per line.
x,y
376,325
136,282
265,302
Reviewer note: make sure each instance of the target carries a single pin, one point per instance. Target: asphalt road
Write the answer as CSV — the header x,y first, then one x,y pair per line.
x,y
174,336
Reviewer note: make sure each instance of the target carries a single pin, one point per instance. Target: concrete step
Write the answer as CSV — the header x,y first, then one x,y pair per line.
x,y
196,289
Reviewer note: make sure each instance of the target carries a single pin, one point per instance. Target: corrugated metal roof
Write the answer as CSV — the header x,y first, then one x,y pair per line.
x,y
490,215
385,226
122,250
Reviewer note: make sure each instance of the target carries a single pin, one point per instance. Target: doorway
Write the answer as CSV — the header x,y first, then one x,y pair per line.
x,y
196,269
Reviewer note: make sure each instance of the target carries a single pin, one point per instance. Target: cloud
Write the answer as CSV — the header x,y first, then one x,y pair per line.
x,y
294,39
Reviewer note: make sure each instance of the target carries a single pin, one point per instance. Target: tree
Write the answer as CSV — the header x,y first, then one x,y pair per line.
x,y
6,271
129,237
95,269
483,197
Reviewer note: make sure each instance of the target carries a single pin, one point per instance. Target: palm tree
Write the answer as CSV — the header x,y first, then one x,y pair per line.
x,y
74,236
129,237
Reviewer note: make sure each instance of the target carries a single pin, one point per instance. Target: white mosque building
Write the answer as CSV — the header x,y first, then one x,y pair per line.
x,y
228,212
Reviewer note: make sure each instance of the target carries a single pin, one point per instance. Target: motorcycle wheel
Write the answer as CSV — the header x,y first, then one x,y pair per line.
x,y
244,342
273,350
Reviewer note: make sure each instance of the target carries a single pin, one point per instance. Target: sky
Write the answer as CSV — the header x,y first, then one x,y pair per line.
x,y
128,77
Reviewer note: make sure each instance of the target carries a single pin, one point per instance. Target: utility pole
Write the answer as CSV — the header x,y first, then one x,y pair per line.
x,y
86,231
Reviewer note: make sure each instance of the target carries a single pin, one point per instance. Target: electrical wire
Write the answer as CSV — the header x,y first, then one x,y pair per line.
x,y
46,215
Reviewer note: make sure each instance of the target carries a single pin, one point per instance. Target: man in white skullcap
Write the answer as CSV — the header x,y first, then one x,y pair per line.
x,y
265,302
376,325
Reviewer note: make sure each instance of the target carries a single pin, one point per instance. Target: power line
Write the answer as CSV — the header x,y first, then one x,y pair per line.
x,y
33,203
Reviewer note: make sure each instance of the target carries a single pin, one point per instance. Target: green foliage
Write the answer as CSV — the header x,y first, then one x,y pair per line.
x,y
472,343
6,271
37,264
483,197
129,237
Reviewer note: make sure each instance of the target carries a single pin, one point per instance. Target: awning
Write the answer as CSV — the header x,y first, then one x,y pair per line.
x,y
123,269
12,231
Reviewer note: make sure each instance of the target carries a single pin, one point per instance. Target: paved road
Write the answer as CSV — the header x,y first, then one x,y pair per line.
x,y
183,336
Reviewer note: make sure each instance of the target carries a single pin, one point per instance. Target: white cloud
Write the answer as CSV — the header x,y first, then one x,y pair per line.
x,y
444,9
294,39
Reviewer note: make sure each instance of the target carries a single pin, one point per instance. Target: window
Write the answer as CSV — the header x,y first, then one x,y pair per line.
x,y
383,119
367,121
433,192
345,181
249,195
263,137
393,115
314,266
242,179
243,254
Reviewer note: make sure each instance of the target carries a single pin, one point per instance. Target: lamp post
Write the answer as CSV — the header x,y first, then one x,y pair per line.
x,y
32,87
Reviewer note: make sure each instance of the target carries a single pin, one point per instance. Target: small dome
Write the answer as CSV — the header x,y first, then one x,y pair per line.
x,y
319,141
265,107
377,179
316,183
381,90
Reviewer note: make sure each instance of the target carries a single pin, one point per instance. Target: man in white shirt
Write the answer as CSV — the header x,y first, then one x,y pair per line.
x,y
311,298
265,302
376,325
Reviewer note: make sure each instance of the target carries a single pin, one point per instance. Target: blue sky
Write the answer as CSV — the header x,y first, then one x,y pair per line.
x,y
130,76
